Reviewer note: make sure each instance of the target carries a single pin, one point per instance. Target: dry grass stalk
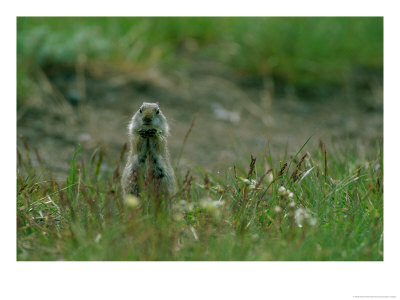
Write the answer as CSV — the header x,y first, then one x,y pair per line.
x,y
282,169
235,171
23,139
184,140
39,159
188,186
116,173
187,181
252,164
33,223
262,178
323,150
206,181
19,157
294,174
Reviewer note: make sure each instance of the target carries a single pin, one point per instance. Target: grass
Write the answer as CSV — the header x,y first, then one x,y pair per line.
x,y
323,205
299,51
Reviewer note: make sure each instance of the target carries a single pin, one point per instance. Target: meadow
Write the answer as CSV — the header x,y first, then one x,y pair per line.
x,y
243,193
297,50
324,205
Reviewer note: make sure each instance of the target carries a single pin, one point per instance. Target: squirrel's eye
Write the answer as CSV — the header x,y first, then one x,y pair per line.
x,y
157,111
140,110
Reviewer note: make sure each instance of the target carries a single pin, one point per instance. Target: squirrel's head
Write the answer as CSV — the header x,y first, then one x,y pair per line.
x,y
149,112
149,116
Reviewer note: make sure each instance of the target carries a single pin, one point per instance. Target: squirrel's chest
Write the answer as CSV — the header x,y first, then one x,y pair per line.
x,y
150,159
149,166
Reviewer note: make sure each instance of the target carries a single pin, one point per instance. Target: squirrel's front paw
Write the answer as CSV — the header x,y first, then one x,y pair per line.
x,y
147,133
151,132
142,133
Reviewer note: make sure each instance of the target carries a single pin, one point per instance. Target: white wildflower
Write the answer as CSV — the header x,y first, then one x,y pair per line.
x,y
312,221
253,184
300,215
285,193
278,209
211,206
269,177
281,190
132,201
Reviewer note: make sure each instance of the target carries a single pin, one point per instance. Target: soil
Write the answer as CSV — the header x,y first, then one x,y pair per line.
x,y
235,116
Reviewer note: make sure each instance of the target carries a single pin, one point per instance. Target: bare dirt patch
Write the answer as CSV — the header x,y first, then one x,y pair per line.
x,y
235,116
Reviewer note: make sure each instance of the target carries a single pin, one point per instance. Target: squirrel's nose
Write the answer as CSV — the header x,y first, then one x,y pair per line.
x,y
147,119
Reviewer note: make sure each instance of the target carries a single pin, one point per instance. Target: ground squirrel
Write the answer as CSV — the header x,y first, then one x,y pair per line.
x,y
148,162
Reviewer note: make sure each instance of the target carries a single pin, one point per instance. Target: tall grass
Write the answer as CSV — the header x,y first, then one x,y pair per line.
x,y
297,50
323,205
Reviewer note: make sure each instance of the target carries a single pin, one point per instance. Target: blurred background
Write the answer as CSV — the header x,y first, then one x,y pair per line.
x,y
251,85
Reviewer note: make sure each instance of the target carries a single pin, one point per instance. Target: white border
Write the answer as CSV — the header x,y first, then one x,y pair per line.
x,y
208,280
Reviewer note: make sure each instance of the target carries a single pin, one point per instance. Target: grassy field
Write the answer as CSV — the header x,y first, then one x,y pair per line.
x,y
300,51
318,204
325,204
